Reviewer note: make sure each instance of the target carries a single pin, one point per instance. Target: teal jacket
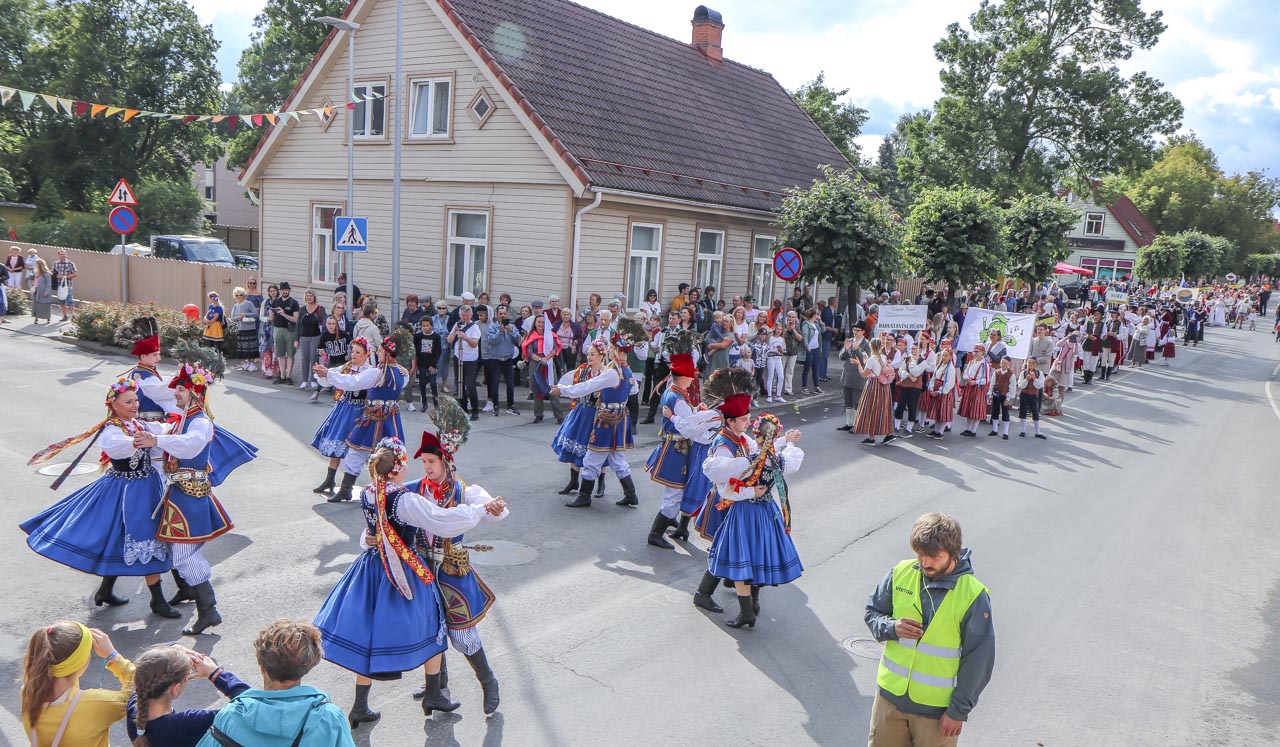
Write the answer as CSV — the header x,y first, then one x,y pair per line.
x,y
272,718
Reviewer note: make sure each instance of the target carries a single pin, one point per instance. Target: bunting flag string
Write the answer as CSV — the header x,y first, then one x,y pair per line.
x,y
73,108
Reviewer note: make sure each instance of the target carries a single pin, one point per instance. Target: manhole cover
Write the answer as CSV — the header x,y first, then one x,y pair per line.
x,y
864,648
502,553
53,470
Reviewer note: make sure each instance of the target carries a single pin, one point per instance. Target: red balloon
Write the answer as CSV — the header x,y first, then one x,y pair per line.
x,y
192,311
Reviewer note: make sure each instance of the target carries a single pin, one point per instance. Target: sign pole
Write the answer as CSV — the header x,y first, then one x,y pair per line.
x,y
124,273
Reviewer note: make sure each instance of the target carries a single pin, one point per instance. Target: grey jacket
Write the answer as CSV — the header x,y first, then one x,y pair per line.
x,y
1042,351
977,640
849,376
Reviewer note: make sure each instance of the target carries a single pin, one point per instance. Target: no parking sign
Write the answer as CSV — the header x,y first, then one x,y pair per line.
x,y
787,264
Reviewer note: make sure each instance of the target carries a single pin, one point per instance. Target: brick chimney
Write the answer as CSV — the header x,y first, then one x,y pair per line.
x,y
707,29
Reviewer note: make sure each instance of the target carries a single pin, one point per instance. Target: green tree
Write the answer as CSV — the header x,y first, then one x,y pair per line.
x,y
146,54
283,43
842,122
49,204
955,235
1202,256
1263,264
1033,92
1160,260
847,236
1035,236
169,207
1186,190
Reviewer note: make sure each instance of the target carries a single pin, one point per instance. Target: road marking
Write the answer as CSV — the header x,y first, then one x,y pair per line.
x,y
1267,387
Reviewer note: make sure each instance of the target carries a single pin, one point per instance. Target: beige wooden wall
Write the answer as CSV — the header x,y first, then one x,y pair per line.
x,y
165,282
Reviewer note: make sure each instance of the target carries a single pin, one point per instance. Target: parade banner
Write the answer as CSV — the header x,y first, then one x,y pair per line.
x,y
1117,297
902,318
1016,329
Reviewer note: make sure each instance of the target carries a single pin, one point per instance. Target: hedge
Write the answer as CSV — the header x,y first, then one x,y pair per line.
x,y
112,324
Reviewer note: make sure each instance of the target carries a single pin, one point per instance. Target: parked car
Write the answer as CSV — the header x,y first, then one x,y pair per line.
x,y
134,250
208,250
246,262
1075,290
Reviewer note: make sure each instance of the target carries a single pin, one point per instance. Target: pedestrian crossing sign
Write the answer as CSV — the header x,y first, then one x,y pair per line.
x,y
351,234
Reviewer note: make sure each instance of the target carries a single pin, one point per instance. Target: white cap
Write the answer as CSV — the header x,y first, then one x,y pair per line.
x,y
468,296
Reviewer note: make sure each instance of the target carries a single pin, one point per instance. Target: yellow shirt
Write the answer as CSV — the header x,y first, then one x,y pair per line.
x,y
97,710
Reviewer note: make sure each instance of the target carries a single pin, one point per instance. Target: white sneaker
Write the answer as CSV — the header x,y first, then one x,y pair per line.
x,y
303,385
412,408
779,399
252,367
768,399
488,407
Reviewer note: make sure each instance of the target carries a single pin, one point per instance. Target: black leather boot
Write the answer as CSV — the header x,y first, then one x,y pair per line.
x,y
572,487
488,682
344,490
600,485
184,589
434,700
206,609
158,605
702,598
628,492
105,593
444,673
755,599
746,613
584,494
326,486
360,711
660,524
682,531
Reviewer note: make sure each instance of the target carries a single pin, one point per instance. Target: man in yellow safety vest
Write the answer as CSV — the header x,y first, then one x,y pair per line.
x,y
934,618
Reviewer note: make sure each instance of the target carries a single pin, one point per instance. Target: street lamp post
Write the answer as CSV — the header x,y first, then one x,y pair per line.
x,y
350,27
395,168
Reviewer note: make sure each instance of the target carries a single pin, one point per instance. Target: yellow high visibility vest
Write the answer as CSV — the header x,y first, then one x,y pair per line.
x,y
925,670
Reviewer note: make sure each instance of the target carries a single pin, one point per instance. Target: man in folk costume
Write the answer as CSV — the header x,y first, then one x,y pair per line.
x,y
676,459
1112,344
1091,345
1194,320
464,598
155,398
190,515
610,433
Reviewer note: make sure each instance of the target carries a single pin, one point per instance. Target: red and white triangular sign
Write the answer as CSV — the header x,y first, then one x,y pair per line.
x,y
122,195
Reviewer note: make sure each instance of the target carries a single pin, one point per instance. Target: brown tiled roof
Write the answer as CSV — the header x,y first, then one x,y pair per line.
x,y
637,111
1133,221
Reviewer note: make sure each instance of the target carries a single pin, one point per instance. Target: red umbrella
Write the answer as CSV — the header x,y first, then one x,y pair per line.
x,y
1062,268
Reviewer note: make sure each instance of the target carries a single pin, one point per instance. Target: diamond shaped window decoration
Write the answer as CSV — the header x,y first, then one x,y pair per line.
x,y
481,108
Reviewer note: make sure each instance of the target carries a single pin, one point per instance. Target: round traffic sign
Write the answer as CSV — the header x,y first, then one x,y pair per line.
x,y
1231,277
787,264
123,220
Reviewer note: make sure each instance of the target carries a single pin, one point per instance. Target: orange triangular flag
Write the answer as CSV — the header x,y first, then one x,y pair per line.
x,y
97,109
272,118
131,113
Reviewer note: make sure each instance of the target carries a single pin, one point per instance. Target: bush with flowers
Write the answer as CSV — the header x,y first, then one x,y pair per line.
x,y
112,324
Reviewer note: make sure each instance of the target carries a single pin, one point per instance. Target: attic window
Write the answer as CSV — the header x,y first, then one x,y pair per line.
x,y
325,121
481,108
1093,223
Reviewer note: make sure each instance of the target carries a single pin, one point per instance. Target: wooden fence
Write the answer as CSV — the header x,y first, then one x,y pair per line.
x,y
165,282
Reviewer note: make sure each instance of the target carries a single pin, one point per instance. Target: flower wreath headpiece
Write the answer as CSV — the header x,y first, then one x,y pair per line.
x,y
397,448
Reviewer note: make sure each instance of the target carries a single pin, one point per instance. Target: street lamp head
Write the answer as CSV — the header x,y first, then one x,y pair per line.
x,y
338,23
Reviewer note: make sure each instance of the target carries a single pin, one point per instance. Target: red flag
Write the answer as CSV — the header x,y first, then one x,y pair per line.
x,y
351,105
189,119
232,121
257,120
81,108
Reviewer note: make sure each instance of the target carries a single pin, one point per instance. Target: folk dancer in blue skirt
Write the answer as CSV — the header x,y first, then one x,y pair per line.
x,y
155,398
108,528
197,458
465,598
676,463
710,514
606,395
384,616
378,418
753,546
570,442
351,385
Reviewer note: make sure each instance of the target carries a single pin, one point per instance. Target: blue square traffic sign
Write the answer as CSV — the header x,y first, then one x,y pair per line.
x,y
351,234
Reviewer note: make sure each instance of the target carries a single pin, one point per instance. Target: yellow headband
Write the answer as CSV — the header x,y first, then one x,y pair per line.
x,y
78,658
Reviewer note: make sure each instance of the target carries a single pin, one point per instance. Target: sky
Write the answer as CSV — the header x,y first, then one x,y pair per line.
x,y
1217,56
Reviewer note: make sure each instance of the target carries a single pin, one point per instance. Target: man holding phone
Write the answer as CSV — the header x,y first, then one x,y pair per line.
x,y
934,618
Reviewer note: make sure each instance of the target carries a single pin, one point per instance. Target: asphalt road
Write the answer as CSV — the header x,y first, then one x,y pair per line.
x,y
1132,562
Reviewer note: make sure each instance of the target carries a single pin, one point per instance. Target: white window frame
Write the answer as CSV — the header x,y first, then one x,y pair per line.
x,y
366,106
635,299
699,258
1102,222
332,257
429,83
470,245
765,266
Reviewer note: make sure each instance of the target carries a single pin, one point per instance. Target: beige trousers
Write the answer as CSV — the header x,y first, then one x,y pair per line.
x,y
893,728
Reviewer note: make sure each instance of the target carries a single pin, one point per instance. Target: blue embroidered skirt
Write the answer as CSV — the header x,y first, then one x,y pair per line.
x,y
698,485
331,437
709,518
752,545
570,443
667,466
369,628
104,528
366,432
227,452
190,519
466,599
